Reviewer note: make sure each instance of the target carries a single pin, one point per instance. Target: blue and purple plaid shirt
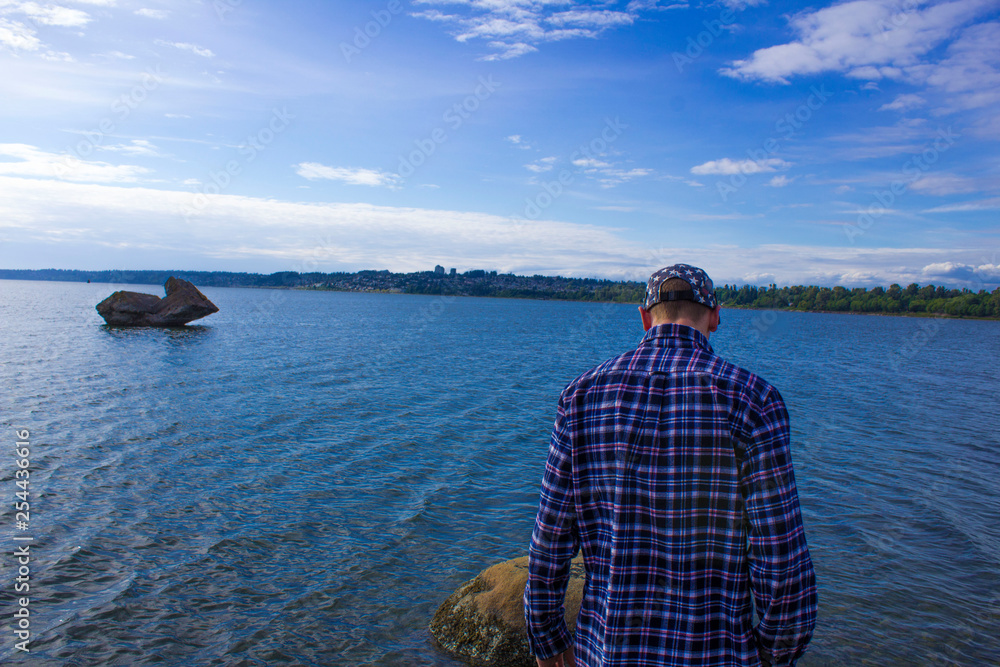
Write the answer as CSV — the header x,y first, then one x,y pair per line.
x,y
671,469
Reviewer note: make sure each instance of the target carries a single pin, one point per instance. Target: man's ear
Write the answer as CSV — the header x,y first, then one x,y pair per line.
x,y
647,319
714,319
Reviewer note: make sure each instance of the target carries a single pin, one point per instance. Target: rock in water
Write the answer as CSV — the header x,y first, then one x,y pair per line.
x,y
182,304
483,621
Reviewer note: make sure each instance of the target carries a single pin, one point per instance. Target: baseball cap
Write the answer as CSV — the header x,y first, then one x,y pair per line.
x,y
702,290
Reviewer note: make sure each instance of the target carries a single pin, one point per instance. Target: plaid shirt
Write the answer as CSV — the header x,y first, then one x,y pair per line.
x,y
671,469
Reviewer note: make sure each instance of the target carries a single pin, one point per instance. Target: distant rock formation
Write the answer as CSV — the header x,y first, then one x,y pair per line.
x,y
483,621
182,304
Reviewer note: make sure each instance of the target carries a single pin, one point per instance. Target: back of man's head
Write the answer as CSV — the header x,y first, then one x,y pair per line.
x,y
673,311
681,294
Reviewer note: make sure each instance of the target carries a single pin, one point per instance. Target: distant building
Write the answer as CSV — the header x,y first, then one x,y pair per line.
x,y
453,271
439,270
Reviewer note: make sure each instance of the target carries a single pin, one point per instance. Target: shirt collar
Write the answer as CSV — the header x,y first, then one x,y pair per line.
x,y
676,335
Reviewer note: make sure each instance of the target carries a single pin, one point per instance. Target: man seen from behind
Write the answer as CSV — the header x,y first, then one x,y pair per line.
x,y
670,469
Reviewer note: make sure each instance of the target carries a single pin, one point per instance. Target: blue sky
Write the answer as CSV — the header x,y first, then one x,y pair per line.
x,y
851,143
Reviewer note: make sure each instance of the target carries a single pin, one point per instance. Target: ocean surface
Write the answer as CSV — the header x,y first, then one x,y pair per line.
x,y
303,477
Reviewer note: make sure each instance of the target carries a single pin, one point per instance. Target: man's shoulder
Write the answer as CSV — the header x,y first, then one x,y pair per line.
x,y
615,366
644,360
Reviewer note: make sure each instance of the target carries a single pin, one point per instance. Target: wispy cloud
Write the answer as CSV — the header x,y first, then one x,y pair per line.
x,y
191,48
158,14
904,103
315,170
607,174
519,141
728,167
513,28
967,207
53,15
17,36
945,184
135,147
31,162
542,165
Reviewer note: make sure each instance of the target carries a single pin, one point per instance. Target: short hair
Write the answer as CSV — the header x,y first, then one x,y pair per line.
x,y
671,311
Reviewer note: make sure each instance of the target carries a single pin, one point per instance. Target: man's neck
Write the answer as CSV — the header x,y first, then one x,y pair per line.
x,y
700,326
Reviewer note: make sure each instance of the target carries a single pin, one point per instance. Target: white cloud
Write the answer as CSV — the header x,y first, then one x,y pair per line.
x,y
184,46
868,39
727,167
607,174
17,36
513,28
50,14
542,165
158,14
117,55
904,103
612,177
590,18
57,57
969,78
508,51
944,184
641,5
519,141
986,275
234,227
780,181
965,207
98,221
590,163
617,209
314,170
136,147
32,162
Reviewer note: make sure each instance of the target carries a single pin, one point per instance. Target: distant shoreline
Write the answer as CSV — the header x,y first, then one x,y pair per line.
x,y
911,301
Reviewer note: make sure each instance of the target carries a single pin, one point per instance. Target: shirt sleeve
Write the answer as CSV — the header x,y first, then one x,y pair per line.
x,y
554,542
781,571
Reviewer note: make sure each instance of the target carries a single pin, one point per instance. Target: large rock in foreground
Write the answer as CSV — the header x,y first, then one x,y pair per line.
x,y
182,304
483,621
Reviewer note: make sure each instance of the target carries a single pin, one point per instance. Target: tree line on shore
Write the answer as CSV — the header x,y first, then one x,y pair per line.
x,y
896,300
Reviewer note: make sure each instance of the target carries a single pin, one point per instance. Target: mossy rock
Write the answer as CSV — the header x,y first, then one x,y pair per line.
x,y
483,621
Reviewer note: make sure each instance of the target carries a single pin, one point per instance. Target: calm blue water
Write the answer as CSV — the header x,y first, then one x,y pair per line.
x,y
304,477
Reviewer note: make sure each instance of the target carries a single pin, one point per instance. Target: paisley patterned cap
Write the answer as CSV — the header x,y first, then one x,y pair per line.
x,y
702,290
